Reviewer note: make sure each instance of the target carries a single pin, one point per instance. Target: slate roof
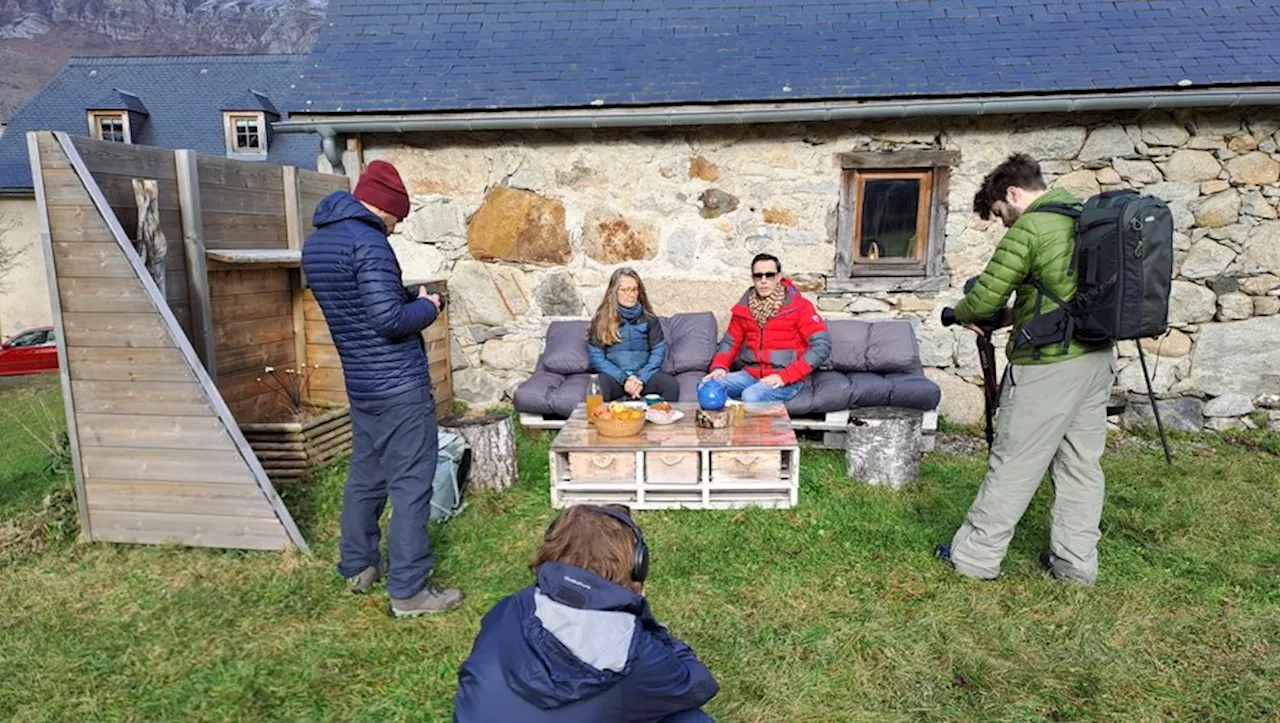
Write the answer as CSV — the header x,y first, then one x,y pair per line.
x,y
453,55
183,98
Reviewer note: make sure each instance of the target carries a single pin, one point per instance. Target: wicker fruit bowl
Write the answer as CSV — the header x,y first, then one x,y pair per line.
x,y
618,420
619,427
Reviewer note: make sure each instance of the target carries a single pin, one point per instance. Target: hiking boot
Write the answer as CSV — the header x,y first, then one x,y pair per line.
x,y
942,551
1046,561
1049,562
367,578
430,599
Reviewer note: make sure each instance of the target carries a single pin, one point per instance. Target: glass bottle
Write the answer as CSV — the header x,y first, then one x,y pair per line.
x,y
595,397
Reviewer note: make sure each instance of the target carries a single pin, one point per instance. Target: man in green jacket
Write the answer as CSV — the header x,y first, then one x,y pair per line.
x,y
1052,414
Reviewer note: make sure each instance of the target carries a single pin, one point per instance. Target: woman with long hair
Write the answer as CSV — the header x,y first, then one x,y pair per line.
x,y
625,342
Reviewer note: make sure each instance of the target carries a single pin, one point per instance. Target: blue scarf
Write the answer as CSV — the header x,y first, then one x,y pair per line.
x,y
631,314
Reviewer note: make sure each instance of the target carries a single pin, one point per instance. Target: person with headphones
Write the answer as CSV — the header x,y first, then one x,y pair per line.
x,y
580,645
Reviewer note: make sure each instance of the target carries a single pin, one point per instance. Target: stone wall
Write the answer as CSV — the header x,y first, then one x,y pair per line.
x,y
529,225
24,289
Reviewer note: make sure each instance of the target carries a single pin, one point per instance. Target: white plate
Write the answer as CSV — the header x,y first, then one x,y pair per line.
x,y
658,417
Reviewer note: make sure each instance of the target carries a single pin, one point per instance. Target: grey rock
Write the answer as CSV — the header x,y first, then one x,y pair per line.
x,y
1194,166
1185,414
1224,285
1234,307
1222,424
1162,130
716,203
1228,405
1191,303
1239,356
1106,143
1206,259
1139,171
558,296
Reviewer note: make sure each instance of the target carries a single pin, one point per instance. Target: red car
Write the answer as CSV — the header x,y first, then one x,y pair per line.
x,y
29,352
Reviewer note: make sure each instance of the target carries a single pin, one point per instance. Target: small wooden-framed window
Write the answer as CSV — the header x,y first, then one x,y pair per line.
x,y
246,133
892,213
109,126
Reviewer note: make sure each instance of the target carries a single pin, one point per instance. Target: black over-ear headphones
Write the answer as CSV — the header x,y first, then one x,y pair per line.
x,y
640,565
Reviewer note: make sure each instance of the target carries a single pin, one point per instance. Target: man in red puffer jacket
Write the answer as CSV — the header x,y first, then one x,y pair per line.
x,y
775,333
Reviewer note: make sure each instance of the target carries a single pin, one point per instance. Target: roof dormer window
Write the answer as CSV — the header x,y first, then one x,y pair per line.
x,y
246,133
109,126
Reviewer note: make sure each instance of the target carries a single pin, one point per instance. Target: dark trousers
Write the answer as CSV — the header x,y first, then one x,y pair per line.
x,y
393,456
663,384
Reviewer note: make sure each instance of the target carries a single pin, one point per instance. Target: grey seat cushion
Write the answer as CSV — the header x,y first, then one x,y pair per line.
x,y
691,342
823,391
554,395
867,389
914,391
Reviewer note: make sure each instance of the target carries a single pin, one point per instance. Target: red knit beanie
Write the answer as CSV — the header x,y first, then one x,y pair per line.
x,y
380,186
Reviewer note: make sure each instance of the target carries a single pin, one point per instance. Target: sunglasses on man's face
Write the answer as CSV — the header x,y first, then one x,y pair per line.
x,y
765,275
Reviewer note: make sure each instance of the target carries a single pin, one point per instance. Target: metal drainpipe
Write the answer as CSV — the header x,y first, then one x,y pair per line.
x,y
624,118
329,142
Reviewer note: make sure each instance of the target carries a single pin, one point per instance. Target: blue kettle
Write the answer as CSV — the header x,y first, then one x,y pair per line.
x,y
712,395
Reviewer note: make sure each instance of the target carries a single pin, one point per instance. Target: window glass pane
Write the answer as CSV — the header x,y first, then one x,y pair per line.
x,y
247,134
111,128
890,210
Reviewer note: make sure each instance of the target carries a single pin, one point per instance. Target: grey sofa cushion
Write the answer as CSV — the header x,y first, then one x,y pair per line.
x,y
883,347
691,342
565,350
892,348
688,386
555,395
848,345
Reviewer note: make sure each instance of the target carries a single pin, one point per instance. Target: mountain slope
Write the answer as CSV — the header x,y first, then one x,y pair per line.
x,y
37,36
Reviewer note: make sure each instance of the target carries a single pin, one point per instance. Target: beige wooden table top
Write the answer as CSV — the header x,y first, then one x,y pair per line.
x,y
765,426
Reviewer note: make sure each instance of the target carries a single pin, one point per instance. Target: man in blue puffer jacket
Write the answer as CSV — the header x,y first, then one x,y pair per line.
x,y
377,327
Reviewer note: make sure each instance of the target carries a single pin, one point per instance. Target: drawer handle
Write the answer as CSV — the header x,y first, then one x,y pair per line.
x,y
671,461
747,460
602,462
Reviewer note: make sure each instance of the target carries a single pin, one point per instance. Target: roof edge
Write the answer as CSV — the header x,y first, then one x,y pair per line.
x,y
741,114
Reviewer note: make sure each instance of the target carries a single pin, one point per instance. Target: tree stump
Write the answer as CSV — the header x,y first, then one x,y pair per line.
x,y
492,439
882,445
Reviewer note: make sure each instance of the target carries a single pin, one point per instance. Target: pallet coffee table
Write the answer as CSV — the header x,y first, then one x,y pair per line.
x,y
753,462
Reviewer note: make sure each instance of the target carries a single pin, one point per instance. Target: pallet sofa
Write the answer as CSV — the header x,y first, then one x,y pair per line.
x,y
872,364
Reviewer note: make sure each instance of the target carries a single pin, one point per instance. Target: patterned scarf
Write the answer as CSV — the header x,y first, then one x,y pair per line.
x,y
763,308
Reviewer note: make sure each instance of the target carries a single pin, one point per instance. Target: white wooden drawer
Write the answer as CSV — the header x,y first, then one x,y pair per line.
x,y
761,465
672,467
602,466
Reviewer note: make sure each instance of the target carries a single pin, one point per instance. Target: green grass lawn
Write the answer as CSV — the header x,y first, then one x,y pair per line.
x,y
31,418
833,611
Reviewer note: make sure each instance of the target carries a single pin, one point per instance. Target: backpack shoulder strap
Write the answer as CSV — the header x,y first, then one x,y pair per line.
x,y
1061,209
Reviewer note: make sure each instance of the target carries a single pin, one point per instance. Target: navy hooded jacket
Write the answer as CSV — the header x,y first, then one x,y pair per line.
x,y
639,350
375,324
577,648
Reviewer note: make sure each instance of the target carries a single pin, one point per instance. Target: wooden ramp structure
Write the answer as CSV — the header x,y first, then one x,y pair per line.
x,y
157,450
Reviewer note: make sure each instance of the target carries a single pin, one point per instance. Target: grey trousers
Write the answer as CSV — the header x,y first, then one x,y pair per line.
x,y
1053,417
393,456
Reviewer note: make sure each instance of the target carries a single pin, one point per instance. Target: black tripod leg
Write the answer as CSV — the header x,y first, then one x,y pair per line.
x,y
990,392
1168,458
